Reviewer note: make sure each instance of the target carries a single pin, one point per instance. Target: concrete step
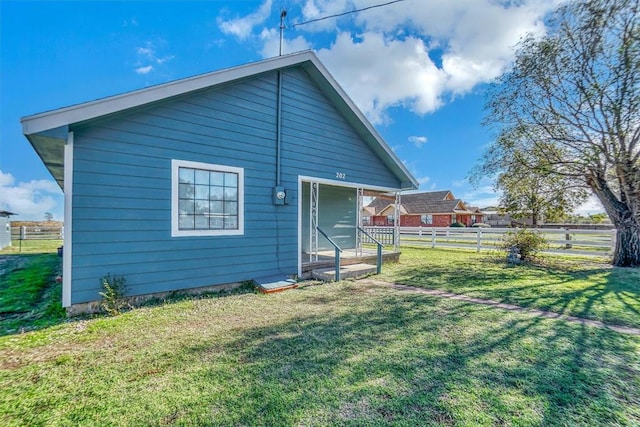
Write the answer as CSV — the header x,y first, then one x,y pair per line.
x,y
346,272
271,284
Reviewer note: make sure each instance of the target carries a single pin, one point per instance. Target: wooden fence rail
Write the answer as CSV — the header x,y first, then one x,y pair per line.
x,y
37,233
562,241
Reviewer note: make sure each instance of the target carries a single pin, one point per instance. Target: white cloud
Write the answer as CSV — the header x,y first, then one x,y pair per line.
x,y
423,180
146,52
416,54
482,195
243,27
144,70
378,73
147,57
314,9
133,22
271,43
418,141
30,200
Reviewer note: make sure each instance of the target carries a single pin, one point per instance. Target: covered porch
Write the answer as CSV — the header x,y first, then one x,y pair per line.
x,y
334,232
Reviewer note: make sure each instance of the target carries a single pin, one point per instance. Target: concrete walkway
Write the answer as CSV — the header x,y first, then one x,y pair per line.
x,y
533,311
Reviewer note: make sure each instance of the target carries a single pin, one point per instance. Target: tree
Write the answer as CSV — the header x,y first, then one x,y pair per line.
x,y
597,218
577,89
529,189
48,216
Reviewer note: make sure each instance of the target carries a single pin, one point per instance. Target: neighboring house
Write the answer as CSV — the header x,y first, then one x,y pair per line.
x,y
213,179
367,213
429,209
5,228
498,218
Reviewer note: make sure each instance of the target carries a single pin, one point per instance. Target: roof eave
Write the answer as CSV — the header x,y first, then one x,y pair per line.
x,y
377,143
36,126
113,104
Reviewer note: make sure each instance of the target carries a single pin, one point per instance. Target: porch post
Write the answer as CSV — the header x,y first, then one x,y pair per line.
x,y
313,211
359,221
396,223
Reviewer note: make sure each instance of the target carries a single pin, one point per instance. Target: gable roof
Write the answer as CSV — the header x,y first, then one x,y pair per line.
x,y
47,132
433,202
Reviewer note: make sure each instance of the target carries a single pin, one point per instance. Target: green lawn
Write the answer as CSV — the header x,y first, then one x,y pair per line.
x,y
29,295
34,246
334,354
585,287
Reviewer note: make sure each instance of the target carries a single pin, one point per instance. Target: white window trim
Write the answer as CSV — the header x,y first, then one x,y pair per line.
x,y
175,229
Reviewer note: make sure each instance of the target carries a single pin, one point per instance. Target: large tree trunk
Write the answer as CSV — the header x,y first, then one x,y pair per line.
x,y
623,213
627,252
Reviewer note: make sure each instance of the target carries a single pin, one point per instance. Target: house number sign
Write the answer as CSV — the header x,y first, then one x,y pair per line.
x,y
341,175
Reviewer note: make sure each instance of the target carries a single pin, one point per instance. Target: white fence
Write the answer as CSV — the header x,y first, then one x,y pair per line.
x,y
562,241
37,233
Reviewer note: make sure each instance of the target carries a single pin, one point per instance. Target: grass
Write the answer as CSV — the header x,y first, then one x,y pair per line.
x,y
583,287
31,246
339,354
29,295
335,354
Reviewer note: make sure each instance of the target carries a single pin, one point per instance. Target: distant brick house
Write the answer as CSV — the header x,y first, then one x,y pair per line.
x,y
428,209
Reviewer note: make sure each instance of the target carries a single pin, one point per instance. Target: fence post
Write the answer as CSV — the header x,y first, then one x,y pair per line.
x,y
567,238
433,237
23,235
420,231
479,238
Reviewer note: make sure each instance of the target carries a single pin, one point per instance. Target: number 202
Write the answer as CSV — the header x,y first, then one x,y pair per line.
x,y
341,175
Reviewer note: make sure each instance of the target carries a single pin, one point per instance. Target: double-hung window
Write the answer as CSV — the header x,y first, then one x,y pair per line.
x,y
207,199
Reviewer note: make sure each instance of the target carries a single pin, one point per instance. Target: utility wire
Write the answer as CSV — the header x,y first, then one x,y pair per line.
x,y
346,13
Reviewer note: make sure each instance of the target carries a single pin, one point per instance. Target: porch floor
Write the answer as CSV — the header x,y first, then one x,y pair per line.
x,y
347,257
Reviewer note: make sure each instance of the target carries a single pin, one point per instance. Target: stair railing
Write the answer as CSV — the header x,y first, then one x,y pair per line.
x,y
380,246
337,252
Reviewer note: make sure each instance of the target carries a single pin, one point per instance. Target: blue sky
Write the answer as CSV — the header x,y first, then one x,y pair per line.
x,y
417,68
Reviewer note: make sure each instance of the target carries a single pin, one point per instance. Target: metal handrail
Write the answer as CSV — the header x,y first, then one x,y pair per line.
x,y
380,246
337,252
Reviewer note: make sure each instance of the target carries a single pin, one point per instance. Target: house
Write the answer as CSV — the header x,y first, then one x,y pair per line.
x,y
497,217
5,228
426,209
211,180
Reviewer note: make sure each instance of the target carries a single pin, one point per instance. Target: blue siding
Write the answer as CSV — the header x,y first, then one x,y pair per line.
x,y
317,141
122,183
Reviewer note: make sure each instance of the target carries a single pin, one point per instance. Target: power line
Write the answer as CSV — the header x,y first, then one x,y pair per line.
x,y
346,13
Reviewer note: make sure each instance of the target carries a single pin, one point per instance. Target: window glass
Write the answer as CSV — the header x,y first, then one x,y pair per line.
x,y
207,198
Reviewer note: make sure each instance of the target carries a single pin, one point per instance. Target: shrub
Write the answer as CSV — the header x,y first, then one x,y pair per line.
x,y
526,243
481,225
457,224
113,296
